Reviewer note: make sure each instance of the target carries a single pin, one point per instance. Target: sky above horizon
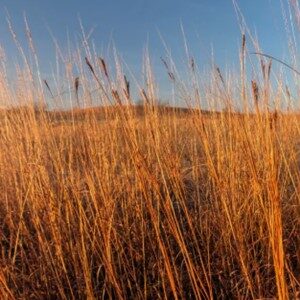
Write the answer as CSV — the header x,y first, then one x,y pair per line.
x,y
131,25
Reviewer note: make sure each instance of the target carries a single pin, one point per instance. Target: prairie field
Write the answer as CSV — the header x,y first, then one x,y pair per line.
x,y
161,205
118,200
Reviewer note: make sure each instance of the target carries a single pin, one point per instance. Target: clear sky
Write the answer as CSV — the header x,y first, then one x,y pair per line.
x,y
134,23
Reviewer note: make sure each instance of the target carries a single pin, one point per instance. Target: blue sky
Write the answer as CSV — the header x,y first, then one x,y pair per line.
x,y
134,23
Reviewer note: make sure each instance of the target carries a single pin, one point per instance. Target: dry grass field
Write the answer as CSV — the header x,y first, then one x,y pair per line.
x,y
149,202
158,206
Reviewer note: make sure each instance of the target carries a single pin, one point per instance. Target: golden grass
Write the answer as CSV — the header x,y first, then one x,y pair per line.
x,y
149,207
148,202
